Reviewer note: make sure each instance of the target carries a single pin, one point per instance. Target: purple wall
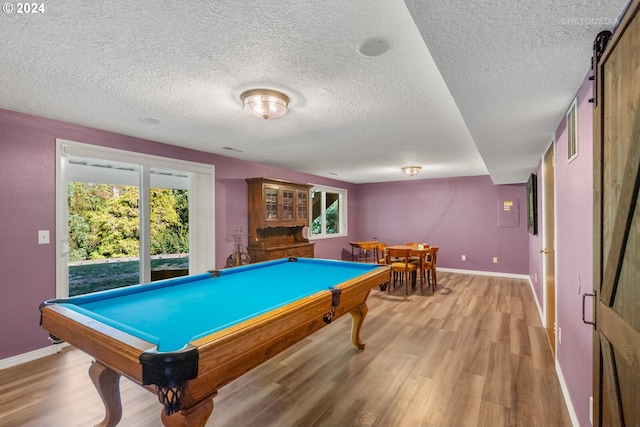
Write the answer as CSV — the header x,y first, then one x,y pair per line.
x,y
574,255
27,174
232,205
536,273
574,262
460,215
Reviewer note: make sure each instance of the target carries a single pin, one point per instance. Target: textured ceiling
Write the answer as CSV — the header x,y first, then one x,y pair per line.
x,y
467,87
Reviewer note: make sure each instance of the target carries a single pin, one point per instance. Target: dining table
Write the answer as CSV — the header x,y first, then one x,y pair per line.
x,y
363,250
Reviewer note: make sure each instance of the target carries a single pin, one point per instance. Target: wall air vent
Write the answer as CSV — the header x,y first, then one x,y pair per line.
x,y
572,131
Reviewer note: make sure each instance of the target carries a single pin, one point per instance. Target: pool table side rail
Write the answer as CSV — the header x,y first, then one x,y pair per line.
x,y
227,355
114,348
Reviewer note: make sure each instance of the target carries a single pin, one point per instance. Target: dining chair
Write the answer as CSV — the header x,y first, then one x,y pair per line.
x,y
418,260
430,267
379,253
382,260
403,268
413,258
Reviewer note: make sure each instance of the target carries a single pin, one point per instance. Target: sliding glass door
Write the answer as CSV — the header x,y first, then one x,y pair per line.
x,y
124,223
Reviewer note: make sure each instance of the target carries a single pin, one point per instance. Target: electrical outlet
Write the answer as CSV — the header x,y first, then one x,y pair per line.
x,y
495,259
464,257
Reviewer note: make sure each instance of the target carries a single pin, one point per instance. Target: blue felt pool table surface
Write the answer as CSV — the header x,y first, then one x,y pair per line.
x,y
171,313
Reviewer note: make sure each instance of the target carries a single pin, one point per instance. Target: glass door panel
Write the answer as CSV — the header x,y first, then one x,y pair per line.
x,y
287,204
169,224
104,232
271,203
303,214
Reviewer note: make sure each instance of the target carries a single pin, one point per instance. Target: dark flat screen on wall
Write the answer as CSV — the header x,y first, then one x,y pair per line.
x,y
532,204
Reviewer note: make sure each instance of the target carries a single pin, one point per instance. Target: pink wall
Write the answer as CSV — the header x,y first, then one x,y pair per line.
x,y
574,262
460,215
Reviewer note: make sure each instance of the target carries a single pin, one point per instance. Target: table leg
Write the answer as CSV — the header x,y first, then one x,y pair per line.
x,y
107,382
357,319
195,416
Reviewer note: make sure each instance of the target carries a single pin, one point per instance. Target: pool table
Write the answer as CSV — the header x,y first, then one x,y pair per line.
x,y
184,338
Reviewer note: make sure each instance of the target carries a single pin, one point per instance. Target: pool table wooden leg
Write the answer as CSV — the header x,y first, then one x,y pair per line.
x,y
107,383
357,316
195,416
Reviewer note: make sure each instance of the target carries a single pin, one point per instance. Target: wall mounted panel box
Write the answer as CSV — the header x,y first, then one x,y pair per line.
x,y
508,212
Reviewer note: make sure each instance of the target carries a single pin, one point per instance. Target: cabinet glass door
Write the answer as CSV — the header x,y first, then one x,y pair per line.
x,y
271,203
303,210
287,204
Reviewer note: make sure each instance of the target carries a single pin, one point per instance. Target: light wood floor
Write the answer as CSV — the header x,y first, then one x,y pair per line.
x,y
473,354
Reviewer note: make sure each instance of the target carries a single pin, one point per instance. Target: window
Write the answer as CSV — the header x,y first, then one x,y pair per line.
x,y
125,218
328,212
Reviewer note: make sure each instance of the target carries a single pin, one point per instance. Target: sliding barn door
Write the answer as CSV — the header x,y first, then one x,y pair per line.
x,y
617,228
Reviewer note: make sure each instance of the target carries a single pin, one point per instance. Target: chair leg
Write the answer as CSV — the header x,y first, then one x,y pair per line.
x,y
393,278
406,282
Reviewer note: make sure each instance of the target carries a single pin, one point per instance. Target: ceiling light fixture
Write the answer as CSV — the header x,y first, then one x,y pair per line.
x,y
265,103
411,170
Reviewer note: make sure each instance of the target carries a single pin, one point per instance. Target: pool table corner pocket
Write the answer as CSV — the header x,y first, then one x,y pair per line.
x,y
169,372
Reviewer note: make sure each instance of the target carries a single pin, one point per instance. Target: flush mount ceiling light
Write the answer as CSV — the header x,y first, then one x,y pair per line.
x,y
265,103
411,170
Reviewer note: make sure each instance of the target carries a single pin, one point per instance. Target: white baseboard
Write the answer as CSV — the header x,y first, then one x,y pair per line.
x,y
535,298
567,398
484,273
31,356
563,384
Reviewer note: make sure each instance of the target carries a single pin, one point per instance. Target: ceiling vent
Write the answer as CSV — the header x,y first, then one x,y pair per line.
x,y
572,131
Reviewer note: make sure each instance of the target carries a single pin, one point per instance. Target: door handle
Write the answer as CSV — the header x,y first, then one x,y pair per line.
x,y
587,322
544,251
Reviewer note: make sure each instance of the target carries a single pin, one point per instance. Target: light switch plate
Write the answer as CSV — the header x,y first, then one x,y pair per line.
x,y
43,237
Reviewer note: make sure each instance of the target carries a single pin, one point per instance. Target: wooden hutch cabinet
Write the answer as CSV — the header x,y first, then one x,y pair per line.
x,y
278,212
